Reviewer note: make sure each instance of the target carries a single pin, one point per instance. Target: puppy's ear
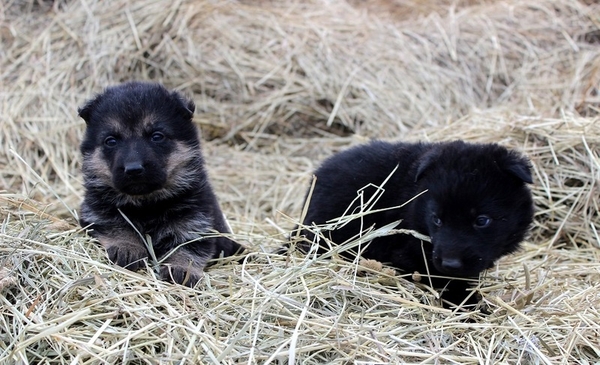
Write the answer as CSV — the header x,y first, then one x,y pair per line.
x,y
516,165
191,106
426,161
86,110
186,103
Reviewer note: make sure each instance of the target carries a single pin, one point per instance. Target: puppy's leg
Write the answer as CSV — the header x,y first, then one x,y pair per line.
x,y
124,248
184,266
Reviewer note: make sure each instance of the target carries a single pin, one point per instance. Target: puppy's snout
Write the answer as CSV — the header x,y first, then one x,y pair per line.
x,y
452,264
134,168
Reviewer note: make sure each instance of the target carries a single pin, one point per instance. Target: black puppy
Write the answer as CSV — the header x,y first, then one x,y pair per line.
x,y
146,185
475,206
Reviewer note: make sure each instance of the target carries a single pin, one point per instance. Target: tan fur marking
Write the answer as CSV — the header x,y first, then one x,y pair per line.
x,y
179,175
96,163
125,248
180,155
146,125
183,258
117,127
184,263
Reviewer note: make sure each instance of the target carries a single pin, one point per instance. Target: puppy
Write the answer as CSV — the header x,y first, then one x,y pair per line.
x,y
145,182
470,199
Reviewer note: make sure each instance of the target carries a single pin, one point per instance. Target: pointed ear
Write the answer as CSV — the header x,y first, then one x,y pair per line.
x,y
85,111
426,162
517,166
191,106
186,103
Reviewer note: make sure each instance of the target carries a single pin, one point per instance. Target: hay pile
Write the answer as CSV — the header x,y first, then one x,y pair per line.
x,y
278,87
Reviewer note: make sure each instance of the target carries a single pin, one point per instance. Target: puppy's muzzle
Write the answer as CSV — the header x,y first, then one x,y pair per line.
x,y
133,168
451,265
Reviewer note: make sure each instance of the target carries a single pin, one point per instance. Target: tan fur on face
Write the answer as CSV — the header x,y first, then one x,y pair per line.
x,y
178,172
118,128
96,165
178,158
146,125
180,176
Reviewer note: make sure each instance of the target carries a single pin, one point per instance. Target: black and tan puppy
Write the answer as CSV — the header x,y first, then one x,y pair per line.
x,y
145,182
475,206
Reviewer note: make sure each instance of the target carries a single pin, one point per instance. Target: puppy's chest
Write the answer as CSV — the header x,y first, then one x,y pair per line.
x,y
158,221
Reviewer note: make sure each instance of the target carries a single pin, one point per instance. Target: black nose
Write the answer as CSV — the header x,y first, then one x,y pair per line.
x,y
134,169
450,264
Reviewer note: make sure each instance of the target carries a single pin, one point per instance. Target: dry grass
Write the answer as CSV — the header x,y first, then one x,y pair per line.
x,y
279,86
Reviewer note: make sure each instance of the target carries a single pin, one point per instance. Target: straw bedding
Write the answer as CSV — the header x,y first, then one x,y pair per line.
x,y
279,86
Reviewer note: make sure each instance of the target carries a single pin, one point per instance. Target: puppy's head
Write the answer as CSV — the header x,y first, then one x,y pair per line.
x,y
477,208
140,141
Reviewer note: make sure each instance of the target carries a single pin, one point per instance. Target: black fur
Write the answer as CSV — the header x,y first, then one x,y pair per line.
x,y
142,160
476,207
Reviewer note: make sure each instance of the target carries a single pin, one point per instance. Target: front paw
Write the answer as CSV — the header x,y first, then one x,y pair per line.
x,y
183,266
184,275
128,256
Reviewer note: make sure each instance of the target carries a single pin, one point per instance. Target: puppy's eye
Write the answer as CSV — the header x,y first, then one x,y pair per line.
x,y
436,220
110,141
157,137
482,221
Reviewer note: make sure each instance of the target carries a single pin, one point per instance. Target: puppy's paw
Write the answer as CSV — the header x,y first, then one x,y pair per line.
x,y
128,256
183,266
184,275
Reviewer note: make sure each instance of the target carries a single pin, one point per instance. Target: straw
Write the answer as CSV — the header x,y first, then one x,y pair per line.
x,y
278,87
